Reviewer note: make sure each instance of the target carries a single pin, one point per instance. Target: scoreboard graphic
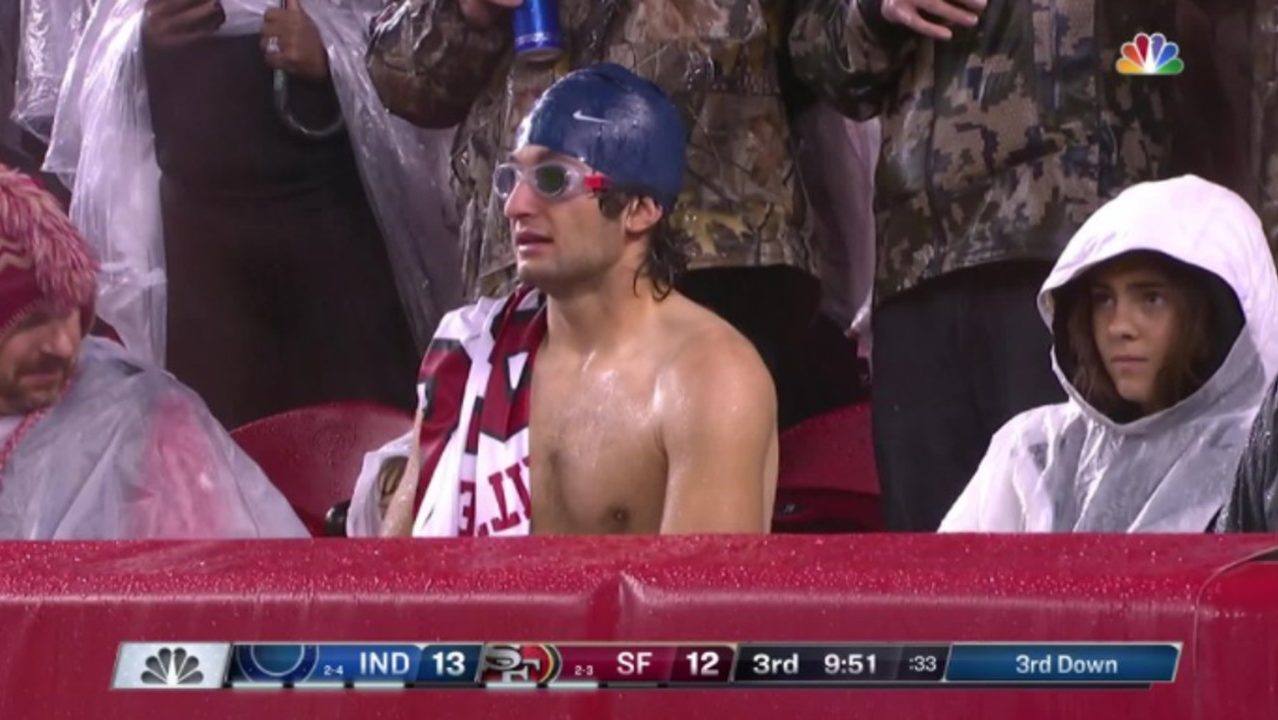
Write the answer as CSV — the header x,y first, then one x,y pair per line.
x,y
356,666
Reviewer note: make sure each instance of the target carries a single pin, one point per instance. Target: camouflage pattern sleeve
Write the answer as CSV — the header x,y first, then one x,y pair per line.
x,y
428,64
849,54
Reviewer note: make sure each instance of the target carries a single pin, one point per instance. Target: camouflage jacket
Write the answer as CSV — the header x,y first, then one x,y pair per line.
x,y
999,143
1264,109
717,59
1231,67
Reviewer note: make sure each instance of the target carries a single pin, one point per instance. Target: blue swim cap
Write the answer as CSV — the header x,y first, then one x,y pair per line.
x,y
618,123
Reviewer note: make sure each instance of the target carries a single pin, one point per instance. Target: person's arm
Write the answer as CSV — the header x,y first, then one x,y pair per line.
x,y
852,52
194,482
429,60
291,42
719,430
400,507
379,477
173,23
305,97
1253,506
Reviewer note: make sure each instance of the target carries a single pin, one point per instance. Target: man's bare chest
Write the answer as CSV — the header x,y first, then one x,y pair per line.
x,y
596,457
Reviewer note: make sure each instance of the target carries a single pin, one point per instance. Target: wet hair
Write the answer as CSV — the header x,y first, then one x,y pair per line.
x,y
1209,320
668,249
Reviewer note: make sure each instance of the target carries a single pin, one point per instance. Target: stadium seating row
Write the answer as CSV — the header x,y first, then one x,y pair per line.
x,y
826,481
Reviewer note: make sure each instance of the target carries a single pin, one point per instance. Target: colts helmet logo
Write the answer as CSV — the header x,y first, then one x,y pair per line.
x,y
520,663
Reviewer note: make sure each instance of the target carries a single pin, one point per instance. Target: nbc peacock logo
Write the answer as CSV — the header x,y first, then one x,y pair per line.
x,y
1150,55
172,667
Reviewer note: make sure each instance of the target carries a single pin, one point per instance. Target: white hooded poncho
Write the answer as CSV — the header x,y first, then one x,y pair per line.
x,y
1068,467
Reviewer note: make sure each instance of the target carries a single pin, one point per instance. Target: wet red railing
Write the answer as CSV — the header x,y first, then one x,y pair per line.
x,y
66,607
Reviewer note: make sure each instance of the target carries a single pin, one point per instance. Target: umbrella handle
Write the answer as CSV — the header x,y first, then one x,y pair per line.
x,y
281,107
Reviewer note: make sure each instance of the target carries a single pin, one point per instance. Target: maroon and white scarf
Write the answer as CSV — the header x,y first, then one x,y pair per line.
x,y
472,437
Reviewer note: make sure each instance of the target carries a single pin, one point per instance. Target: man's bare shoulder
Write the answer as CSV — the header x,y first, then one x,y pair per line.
x,y
718,419
706,352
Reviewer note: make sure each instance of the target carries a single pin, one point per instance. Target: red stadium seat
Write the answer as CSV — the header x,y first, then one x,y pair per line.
x,y
827,480
313,454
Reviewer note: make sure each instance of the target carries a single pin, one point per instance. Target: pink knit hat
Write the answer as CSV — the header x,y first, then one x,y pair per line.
x,y
43,258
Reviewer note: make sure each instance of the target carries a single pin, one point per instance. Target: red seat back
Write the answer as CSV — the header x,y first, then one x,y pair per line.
x,y
827,480
313,454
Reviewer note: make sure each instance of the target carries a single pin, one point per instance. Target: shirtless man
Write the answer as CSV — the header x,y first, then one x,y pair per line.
x,y
643,412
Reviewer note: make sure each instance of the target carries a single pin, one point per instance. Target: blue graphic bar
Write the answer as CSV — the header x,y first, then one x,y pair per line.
x,y
354,663
367,663
1090,663
447,664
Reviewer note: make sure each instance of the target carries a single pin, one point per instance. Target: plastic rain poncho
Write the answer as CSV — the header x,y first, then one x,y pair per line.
x,y
103,148
837,157
1069,467
129,453
48,33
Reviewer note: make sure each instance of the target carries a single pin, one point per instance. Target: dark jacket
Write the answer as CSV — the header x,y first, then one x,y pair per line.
x,y
1252,507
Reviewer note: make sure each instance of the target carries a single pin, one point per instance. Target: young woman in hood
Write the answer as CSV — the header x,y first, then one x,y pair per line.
x,y
1142,332
1164,311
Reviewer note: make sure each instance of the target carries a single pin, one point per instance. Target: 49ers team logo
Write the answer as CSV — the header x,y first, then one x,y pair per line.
x,y
520,663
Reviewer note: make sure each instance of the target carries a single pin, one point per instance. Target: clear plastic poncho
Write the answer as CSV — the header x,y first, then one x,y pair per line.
x,y
129,453
48,33
837,158
103,148
1069,467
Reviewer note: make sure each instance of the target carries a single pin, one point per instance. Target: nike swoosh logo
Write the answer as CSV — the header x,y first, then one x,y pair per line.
x,y
579,115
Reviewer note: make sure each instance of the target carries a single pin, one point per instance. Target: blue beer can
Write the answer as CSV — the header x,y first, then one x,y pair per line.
x,y
537,34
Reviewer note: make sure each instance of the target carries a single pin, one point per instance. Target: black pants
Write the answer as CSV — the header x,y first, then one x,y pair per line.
x,y
954,359
276,302
814,368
